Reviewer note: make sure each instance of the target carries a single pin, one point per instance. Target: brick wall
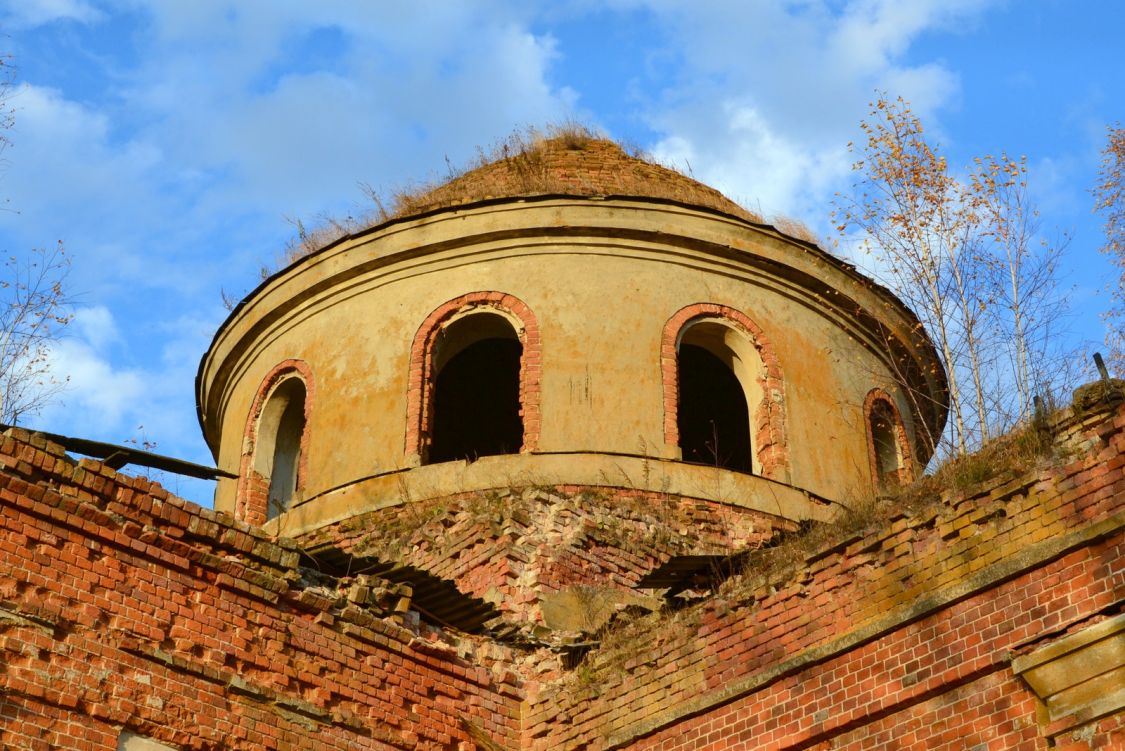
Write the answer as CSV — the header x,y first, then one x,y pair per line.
x,y
582,167
122,607
516,545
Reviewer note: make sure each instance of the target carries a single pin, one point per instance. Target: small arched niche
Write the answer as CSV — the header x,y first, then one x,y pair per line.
x,y
277,454
476,389
887,441
719,374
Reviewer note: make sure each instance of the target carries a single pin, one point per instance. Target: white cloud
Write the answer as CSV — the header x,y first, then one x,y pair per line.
x,y
748,160
100,399
95,326
107,398
772,92
383,101
22,14
69,170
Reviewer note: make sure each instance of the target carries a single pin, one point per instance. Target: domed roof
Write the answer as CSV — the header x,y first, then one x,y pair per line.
x,y
569,165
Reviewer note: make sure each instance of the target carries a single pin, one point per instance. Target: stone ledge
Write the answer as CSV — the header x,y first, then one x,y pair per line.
x,y
1080,677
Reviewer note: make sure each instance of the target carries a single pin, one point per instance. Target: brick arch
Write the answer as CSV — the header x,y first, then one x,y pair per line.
x,y
769,440
253,488
419,398
906,471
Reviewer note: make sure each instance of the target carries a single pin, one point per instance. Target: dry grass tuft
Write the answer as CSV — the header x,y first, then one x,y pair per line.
x,y
323,231
798,229
1019,451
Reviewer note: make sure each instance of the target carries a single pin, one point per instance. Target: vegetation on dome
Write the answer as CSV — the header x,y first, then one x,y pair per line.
x,y
566,159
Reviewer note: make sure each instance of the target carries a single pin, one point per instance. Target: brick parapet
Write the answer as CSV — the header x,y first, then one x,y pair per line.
x,y
122,606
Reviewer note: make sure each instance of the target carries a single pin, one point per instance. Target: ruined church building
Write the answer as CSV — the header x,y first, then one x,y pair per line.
x,y
572,452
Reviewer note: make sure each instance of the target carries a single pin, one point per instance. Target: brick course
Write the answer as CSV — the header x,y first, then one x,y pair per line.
x,y
122,607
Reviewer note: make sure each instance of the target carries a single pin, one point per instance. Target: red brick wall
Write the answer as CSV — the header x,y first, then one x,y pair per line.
x,y
523,543
594,167
124,608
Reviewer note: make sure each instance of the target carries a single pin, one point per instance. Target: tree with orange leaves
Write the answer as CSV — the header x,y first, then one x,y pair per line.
x,y
1109,195
966,256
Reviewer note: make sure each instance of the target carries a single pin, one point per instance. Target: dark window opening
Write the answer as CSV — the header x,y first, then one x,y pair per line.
x,y
280,431
476,393
888,458
713,417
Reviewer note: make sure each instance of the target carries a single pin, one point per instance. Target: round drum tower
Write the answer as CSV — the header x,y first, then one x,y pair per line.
x,y
569,317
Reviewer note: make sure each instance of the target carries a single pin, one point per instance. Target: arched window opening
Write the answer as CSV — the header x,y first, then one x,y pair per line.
x,y
278,452
887,450
716,369
476,389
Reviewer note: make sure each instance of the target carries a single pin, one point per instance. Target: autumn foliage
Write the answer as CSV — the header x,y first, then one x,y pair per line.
x,y
966,254
1109,197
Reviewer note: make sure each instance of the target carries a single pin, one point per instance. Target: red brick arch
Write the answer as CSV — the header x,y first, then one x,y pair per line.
x,y
253,488
906,471
769,440
419,398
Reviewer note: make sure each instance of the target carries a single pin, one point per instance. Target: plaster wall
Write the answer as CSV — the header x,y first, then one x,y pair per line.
x,y
602,279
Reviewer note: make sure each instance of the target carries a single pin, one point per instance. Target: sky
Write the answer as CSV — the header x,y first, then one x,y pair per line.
x,y
170,145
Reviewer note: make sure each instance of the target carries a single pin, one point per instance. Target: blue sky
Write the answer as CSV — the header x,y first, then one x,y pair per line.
x,y
166,143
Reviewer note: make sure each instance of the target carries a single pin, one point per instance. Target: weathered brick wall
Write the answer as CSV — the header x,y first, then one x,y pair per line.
x,y
900,637
517,545
122,607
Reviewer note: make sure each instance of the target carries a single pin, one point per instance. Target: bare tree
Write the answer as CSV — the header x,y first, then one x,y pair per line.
x,y
907,208
1109,199
1025,311
33,307
965,255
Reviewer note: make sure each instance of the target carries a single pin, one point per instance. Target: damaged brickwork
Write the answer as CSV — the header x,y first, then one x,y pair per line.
x,y
903,632
519,547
